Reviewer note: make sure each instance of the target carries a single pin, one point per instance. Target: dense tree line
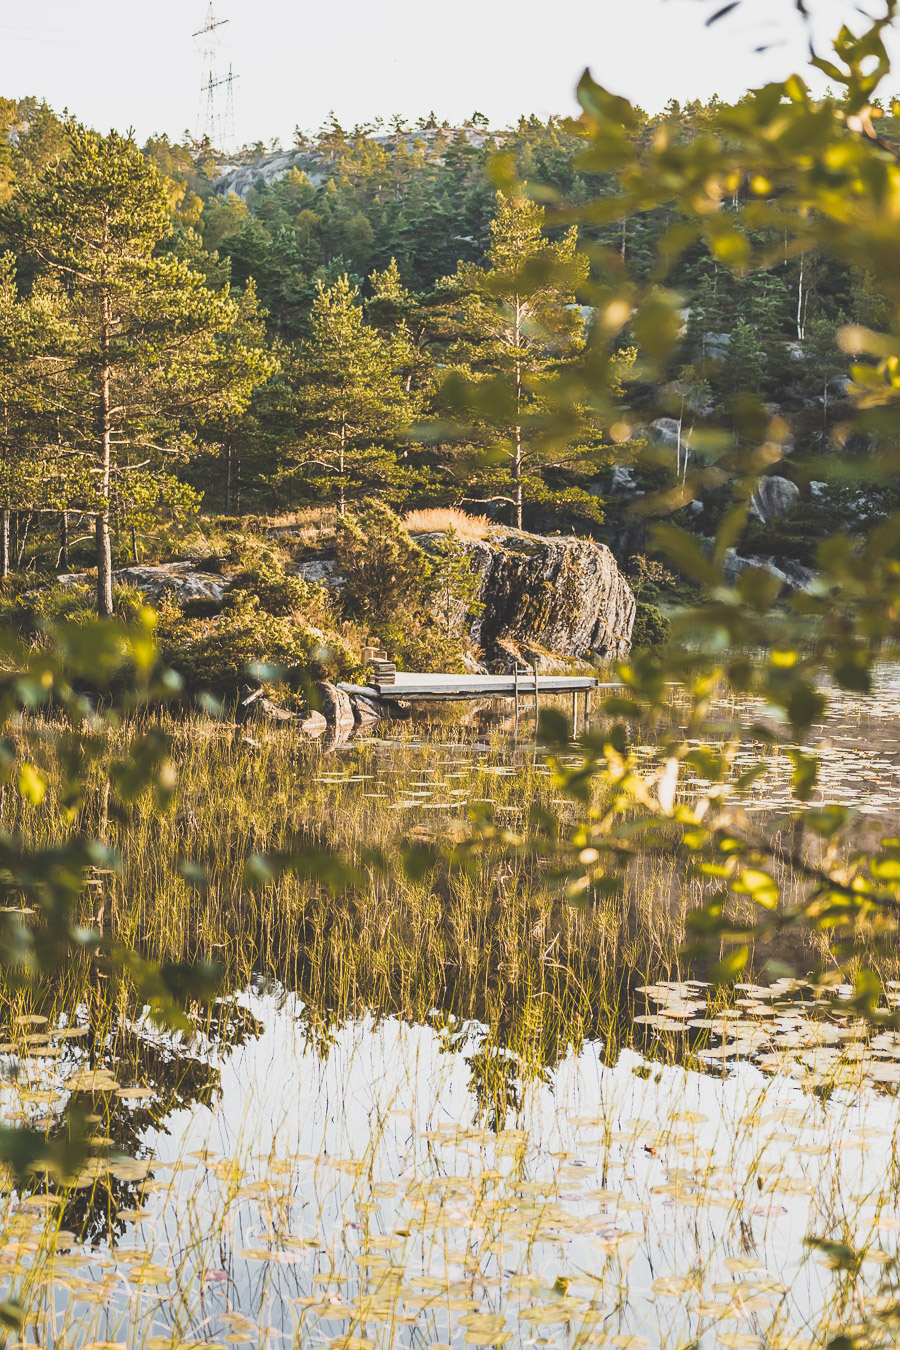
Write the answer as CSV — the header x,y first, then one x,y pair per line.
x,y
379,317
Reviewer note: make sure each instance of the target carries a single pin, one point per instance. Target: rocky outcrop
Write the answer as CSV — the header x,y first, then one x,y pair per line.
x,y
774,496
794,576
547,594
537,594
182,580
336,708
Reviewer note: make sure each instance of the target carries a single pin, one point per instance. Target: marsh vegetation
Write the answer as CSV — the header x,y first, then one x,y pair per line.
x,y
443,1106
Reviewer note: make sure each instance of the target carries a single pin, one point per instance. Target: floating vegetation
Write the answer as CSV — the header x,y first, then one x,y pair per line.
x,y
445,1111
360,1197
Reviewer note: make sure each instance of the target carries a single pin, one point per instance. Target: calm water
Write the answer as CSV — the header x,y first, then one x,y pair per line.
x,y
354,1189
285,1181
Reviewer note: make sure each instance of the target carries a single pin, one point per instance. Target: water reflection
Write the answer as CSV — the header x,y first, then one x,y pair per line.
x,y
365,1193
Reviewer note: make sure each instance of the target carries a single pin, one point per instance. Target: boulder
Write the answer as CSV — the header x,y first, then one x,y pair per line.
x,y
321,572
622,481
183,580
336,708
556,595
665,431
366,711
774,497
794,576
559,595
257,705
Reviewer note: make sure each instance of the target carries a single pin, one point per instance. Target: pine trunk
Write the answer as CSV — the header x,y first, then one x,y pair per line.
x,y
104,552
342,501
4,543
519,450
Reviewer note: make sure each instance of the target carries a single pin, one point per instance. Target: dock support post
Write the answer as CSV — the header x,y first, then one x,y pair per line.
x,y
516,680
574,712
587,705
537,701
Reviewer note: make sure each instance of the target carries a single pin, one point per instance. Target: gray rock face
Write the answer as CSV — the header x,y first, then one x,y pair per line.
x,y
774,497
336,708
664,431
321,571
180,579
622,481
558,595
366,711
565,596
792,575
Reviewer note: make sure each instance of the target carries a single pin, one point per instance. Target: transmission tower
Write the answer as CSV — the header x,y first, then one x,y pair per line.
x,y
208,40
228,133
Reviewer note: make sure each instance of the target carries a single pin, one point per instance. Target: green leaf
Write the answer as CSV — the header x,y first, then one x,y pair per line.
x,y
686,553
730,966
32,784
553,728
825,821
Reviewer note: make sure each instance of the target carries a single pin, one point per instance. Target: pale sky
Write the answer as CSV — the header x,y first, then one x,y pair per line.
x,y
116,63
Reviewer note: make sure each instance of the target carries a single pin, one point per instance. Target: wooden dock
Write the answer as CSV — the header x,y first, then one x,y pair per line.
x,y
412,688
407,687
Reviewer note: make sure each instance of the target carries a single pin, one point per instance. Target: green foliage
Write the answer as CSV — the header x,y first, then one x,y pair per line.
x,y
651,627
381,565
399,589
220,655
277,591
350,402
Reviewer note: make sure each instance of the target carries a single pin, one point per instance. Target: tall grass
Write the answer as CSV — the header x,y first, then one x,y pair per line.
x,y
497,943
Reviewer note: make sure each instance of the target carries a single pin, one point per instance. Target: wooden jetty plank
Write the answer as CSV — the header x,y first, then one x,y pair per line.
x,y
438,688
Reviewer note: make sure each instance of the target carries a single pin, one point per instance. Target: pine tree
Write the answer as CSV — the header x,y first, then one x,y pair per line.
x,y
516,322
154,345
34,343
743,368
350,399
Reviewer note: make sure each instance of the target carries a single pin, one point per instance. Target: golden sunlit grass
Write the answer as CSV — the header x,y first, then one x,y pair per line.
x,y
439,519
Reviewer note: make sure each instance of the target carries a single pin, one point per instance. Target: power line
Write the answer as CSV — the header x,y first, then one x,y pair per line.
x,y
72,37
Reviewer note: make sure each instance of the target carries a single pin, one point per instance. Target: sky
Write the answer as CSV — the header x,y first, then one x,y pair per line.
x,y
118,63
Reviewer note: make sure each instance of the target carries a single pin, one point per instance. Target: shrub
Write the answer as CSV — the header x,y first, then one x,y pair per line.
x,y
651,627
218,654
383,568
277,591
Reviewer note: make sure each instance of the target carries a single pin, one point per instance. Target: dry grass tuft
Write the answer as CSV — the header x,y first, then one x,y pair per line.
x,y
438,519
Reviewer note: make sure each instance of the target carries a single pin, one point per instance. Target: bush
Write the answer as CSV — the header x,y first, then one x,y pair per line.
x,y
217,655
651,627
277,591
383,568
419,645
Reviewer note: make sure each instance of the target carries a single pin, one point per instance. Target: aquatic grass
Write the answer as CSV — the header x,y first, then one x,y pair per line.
x,y
448,1125
364,1209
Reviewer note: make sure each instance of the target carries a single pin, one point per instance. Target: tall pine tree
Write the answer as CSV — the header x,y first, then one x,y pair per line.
x,y
154,346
